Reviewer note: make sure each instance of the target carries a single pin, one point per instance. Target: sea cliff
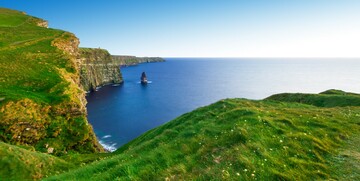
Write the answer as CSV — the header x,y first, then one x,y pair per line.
x,y
42,104
98,69
124,60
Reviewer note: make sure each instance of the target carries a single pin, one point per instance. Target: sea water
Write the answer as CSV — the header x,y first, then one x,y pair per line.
x,y
179,85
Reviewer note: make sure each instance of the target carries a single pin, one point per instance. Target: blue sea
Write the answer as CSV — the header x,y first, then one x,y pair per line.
x,y
179,85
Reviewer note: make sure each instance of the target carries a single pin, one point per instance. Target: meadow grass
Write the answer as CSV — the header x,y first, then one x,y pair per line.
x,y
236,139
284,137
24,163
39,91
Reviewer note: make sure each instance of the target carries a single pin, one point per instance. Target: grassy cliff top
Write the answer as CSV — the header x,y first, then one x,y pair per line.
x,y
284,137
29,64
19,163
41,103
329,98
92,55
239,139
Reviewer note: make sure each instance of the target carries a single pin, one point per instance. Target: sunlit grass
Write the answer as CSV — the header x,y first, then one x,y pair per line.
x,y
38,88
234,139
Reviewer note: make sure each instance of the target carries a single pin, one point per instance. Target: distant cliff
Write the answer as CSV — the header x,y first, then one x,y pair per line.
x,y
123,60
98,68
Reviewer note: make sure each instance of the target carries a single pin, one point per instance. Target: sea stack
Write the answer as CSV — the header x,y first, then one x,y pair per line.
x,y
143,78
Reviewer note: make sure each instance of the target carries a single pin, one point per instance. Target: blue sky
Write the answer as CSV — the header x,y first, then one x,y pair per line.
x,y
207,28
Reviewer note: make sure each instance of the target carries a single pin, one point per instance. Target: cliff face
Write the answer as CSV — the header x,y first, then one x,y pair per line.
x,y
41,102
97,68
132,60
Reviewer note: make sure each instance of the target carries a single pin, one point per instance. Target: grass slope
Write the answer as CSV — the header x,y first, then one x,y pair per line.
x,y
329,98
41,103
20,164
239,139
28,62
24,163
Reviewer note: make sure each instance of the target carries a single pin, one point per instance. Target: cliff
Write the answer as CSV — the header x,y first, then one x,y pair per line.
x,y
123,60
97,68
42,104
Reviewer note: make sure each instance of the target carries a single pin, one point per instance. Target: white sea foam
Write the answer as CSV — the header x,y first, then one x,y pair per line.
x,y
108,147
149,82
106,136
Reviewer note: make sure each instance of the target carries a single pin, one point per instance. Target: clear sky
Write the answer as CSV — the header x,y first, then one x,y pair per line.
x,y
207,28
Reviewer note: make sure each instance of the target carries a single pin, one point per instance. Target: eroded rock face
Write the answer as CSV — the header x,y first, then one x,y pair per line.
x,y
67,43
44,24
97,69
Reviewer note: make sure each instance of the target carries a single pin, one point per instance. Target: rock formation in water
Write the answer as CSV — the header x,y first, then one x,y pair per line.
x,y
143,78
98,69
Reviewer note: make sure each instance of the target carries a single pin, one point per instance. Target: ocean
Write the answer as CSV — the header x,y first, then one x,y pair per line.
x,y
179,85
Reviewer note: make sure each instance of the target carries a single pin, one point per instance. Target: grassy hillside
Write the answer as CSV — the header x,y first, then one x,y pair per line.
x,y
330,98
42,109
41,103
19,163
238,139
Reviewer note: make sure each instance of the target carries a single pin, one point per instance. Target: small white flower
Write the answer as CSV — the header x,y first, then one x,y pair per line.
x,y
245,170
238,174
281,141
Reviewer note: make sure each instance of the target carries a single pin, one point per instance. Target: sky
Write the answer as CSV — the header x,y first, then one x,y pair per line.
x,y
206,28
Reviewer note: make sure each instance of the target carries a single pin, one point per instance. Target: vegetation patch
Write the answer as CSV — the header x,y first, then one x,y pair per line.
x,y
41,103
237,139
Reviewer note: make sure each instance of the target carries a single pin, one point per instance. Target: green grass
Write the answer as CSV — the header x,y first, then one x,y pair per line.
x,y
237,139
28,62
330,98
284,137
38,90
23,164
11,18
